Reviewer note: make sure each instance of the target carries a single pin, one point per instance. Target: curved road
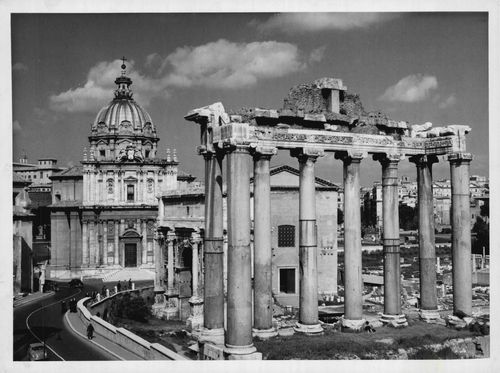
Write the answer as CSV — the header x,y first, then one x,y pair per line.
x,y
43,320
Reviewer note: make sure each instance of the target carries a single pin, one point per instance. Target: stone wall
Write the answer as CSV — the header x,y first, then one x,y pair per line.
x,y
124,338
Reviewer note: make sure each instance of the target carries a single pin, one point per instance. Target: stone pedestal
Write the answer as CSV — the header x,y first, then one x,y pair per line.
x,y
396,321
214,336
429,315
308,329
350,325
264,333
195,320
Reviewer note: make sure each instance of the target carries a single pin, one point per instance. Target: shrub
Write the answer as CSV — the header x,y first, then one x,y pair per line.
x,y
133,308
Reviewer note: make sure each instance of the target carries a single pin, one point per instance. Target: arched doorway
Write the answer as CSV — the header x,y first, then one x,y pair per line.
x,y
131,248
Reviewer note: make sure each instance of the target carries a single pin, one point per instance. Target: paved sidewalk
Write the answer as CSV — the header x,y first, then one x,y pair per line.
x,y
76,325
19,300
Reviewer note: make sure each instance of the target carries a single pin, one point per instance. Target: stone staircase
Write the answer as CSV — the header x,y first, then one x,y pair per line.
x,y
134,274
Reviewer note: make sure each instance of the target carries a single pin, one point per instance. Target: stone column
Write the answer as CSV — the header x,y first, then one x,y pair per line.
x,y
92,243
144,242
158,257
195,320
263,296
428,294
121,255
170,263
85,245
461,232
117,242
105,242
239,279
353,304
213,255
390,215
308,298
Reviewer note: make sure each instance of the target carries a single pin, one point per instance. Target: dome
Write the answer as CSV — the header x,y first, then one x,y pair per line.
x,y
120,110
123,113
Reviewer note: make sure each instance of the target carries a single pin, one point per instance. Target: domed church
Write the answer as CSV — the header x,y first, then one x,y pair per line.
x,y
104,211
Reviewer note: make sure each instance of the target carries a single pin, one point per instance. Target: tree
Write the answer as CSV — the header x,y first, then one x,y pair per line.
x,y
408,217
482,231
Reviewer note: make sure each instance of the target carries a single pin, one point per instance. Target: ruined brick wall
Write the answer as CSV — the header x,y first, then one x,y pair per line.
x,y
305,97
351,105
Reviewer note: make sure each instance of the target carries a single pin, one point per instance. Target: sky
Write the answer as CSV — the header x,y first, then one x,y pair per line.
x,y
417,67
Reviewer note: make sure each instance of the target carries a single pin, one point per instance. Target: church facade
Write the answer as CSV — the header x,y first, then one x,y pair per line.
x,y
103,213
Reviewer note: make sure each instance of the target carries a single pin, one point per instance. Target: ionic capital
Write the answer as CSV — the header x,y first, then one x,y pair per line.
x,y
388,158
236,149
424,160
263,152
460,158
305,154
351,156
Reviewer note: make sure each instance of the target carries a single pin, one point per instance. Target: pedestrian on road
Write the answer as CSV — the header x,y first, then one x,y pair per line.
x,y
63,307
90,331
119,286
105,315
103,291
130,284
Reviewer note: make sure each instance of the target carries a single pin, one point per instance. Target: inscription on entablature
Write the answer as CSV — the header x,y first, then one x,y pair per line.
x,y
442,143
372,140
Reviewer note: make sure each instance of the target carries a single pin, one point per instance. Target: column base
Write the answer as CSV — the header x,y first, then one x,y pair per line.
x,y
195,320
215,336
248,352
308,329
429,316
352,326
396,321
265,333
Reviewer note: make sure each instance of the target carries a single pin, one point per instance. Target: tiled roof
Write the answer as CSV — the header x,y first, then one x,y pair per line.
x,y
75,171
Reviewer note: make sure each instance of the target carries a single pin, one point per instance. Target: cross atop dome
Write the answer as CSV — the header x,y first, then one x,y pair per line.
x,y
123,66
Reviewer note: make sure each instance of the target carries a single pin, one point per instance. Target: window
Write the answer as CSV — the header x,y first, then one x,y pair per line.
x,y
147,153
102,153
58,196
41,175
287,280
130,192
286,236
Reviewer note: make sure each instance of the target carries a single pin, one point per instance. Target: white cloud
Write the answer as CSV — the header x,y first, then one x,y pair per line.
x,y
16,127
99,87
315,22
317,54
219,64
19,66
224,64
411,88
449,101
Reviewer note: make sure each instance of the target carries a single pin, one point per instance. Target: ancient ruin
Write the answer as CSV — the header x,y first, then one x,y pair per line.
x,y
318,118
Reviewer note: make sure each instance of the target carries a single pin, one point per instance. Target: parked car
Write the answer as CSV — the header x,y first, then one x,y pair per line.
x,y
37,351
76,283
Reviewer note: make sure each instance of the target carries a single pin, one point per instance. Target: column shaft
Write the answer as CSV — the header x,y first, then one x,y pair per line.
x,y
195,268
144,242
352,241
263,297
308,299
392,279
239,278
85,246
105,242
428,295
170,262
461,233
158,258
213,308
117,246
